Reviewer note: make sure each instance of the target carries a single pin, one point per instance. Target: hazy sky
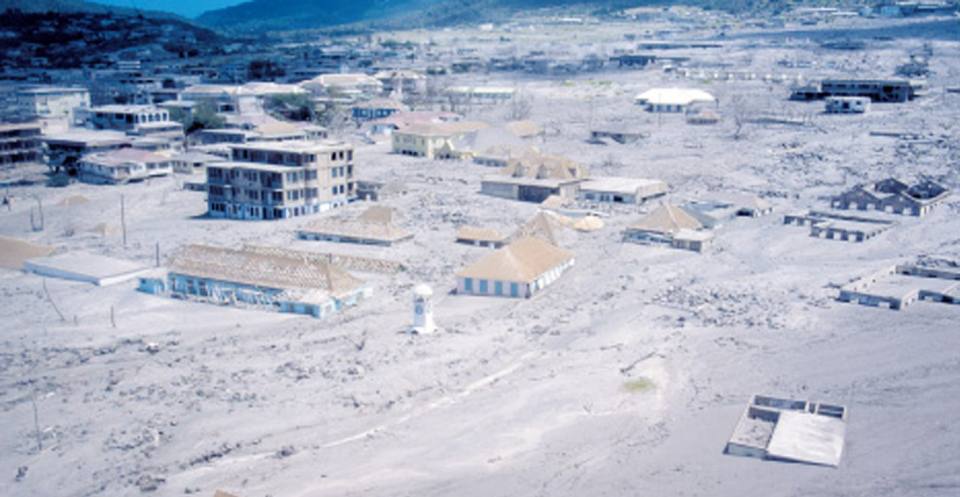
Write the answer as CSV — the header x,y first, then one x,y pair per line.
x,y
188,8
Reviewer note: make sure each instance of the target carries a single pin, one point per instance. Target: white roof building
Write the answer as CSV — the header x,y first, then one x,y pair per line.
x,y
480,94
351,85
123,165
86,267
621,190
672,99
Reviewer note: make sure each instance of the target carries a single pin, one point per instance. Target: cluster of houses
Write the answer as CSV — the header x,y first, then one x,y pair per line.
x,y
899,286
692,225
887,197
137,120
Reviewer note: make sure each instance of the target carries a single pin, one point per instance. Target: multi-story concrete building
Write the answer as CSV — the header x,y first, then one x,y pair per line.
x,y
65,149
377,108
122,166
877,90
281,180
402,82
137,120
125,117
20,144
223,98
483,95
268,131
433,140
52,103
355,85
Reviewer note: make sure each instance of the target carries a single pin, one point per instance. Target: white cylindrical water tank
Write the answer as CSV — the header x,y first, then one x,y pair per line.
x,y
423,310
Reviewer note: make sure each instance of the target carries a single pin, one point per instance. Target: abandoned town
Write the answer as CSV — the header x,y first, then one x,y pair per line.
x,y
516,248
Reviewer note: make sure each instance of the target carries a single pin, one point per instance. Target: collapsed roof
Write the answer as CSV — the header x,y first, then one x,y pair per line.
x,y
275,268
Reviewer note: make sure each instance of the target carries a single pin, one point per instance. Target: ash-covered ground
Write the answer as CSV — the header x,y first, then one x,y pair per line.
x,y
626,377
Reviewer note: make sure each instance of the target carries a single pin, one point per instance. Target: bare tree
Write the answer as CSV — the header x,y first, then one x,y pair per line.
x,y
741,114
520,107
336,118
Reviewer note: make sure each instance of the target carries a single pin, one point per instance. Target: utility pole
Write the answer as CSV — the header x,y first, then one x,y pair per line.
x,y
36,420
158,255
123,220
40,208
46,292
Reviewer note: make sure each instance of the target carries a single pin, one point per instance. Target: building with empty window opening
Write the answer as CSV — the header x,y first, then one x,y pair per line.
x,y
281,180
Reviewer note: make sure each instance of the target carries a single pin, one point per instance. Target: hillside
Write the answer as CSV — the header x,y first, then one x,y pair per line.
x,y
74,6
299,14
295,14
70,39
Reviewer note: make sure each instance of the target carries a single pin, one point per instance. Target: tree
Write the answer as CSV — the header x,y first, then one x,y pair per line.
x,y
741,115
336,118
295,106
205,117
520,107
264,70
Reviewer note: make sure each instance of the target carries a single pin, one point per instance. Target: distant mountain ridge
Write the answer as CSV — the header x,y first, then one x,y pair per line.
x,y
306,14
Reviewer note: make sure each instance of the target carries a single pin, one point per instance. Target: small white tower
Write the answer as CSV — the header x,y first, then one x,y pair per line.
x,y
423,310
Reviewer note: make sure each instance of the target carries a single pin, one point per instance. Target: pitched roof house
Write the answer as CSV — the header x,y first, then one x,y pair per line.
x,y
670,225
518,270
481,237
534,178
373,227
